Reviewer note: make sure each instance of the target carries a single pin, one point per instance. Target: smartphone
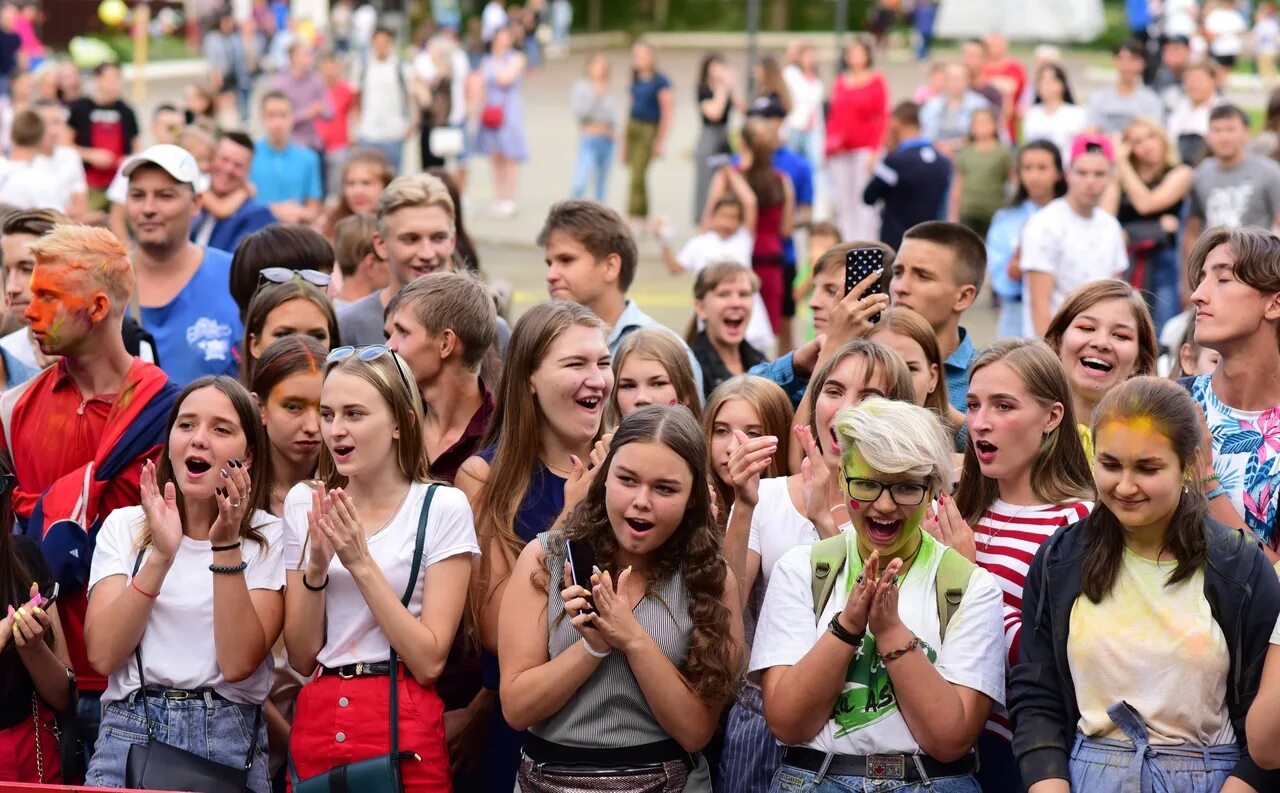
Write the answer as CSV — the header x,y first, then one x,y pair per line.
x,y
858,264
581,561
50,596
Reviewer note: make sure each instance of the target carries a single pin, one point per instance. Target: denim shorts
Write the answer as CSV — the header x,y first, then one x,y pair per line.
x,y
790,779
212,728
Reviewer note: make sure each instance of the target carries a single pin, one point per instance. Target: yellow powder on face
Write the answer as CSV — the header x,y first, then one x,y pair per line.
x,y
1142,425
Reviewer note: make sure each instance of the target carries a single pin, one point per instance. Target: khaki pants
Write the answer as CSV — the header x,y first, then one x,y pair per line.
x,y
640,139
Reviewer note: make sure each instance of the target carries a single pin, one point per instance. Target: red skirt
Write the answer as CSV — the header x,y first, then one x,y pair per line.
x,y
19,761
340,721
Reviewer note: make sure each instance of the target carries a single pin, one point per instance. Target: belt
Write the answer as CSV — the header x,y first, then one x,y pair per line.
x,y
877,766
183,694
542,751
379,669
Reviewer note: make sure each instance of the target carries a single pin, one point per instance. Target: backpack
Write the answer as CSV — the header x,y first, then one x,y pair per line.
x,y
828,556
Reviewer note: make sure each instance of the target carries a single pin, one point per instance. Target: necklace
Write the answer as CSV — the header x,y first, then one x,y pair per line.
x,y
986,546
563,473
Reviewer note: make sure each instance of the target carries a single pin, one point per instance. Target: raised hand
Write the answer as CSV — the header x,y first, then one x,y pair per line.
x,y
955,531
815,476
341,525
161,511
615,617
578,482
883,618
321,553
233,502
747,462
577,609
29,622
858,606
850,318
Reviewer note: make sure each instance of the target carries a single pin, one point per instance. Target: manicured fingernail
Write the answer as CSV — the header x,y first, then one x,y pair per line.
x,y
628,570
224,473
22,612
36,610
595,570
238,463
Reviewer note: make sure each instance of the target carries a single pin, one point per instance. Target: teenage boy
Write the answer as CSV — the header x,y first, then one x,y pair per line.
x,y
1111,109
106,131
386,106
231,212
286,174
1234,275
75,436
591,259
363,271
912,179
27,180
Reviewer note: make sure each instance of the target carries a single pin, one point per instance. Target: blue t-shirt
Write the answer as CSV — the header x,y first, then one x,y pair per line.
x,y
1003,238
199,332
644,97
288,174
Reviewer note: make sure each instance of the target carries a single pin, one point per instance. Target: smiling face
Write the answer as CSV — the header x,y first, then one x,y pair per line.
x,y
646,495
641,382
159,208
726,310
419,240
205,436
1138,474
299,316
883,524
357,425
361,186
1099,349
924,375
572,383
291,415
1228,310
230,167
1006,424
847,385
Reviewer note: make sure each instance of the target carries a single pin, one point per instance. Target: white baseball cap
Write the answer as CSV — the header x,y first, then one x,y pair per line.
x,y
175,160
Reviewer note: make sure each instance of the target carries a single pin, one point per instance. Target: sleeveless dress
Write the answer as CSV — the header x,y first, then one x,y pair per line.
x,y
509,138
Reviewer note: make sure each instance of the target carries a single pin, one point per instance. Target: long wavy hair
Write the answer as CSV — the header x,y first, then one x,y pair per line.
x,y
1060,471
1175,415
693,552
663,346
773,407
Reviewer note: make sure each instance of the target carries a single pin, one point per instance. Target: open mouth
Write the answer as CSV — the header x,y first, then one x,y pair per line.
x,y
985,450
589,403
197,466
735,324
343,452
882,531
639,525
1097,365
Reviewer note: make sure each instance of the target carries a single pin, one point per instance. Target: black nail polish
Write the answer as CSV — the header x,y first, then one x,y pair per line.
x,y
220,491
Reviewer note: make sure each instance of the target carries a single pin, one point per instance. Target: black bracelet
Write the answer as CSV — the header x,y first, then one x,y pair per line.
x,y
838,631
230,547
315,588
228,570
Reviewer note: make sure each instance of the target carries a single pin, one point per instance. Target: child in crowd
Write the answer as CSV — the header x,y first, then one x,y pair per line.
x,y
982,174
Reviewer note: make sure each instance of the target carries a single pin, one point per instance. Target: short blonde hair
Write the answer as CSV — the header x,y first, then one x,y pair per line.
x,y
95,253
897,437
415,190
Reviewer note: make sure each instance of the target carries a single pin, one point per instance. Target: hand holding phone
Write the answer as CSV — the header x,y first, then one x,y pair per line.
x,y
582,561
859,263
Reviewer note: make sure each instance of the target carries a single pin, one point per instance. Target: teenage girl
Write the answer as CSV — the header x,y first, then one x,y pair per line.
x,y
751,405
278,310
651,367
365,174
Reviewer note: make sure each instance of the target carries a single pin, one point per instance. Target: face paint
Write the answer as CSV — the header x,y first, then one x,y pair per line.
x,y
907,539
60,311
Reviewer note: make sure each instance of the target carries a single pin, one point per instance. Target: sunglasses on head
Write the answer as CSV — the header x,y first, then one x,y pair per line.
x,y
283,275
369,353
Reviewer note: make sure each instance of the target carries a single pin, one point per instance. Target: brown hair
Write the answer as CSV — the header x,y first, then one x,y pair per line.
x,y
709,278
1060,472
1090,295
834,257
27,130
1176,416
295,354
31,222
268,299
968,250
765,182
876,359
664,346
771,404
905,322
825,228
277,245
597,228
1257,257
353,241
371,158
452,301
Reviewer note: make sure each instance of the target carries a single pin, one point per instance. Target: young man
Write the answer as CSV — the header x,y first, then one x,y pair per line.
x,y
937,274
27,180
67,165
1072,241
945,118
912,179
21,230
182,288
106,131
1111,109
307,93
1175,55
363,271
1234,275
286,175
386,109
98,406
591,259
1234,187
237,213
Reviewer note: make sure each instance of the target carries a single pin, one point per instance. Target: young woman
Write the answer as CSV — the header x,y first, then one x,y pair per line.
x,y
912,338
1149,642
1025,476
594,107
35,676
1103,335
548,413
365,174
982,174
856,125
277,246
648,125
877,663
651,367
349,542
1054,116
626,675
756,407
501,134
724,297
717,99
771,88
1147,200
1040,180
1192,360
279,309
771,516
184,594
286,385
464,247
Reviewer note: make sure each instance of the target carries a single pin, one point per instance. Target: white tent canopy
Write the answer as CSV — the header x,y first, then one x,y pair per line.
x,y
1022,20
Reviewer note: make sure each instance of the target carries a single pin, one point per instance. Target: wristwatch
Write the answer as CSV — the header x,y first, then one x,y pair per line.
x,y
838,631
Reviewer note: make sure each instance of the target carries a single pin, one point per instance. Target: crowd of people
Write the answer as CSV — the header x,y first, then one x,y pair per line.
x,y
291,500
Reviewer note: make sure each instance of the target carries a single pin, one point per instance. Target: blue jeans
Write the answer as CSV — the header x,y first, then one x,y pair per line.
x,y
212,728
794,780
1162,285
394,149
89,720
1100,765
595,157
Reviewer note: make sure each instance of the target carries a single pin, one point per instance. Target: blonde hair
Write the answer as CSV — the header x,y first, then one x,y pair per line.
x,y
1171,157
898,438
94,253
664,346
415,190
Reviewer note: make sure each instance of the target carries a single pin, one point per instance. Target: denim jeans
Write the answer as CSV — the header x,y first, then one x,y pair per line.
x,y
595,158
212,728
394,149
794,780
1162,292
89,720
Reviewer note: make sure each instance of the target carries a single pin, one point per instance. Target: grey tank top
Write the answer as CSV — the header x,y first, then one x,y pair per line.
x,y
609,710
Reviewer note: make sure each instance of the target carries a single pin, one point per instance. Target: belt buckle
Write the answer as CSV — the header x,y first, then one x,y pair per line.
x,y
177,695
886,766
349,675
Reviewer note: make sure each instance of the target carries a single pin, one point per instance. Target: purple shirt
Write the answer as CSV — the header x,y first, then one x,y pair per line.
x,y
304,92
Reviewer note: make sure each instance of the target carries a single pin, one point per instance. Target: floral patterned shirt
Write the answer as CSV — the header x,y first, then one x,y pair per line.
x,y
1246,457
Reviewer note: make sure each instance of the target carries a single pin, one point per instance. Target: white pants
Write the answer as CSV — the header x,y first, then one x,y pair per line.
x,y
850,175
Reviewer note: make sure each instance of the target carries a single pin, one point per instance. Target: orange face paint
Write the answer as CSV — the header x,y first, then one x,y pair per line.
x,y
60,300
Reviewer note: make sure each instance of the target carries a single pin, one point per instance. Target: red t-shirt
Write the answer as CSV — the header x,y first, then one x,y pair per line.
x,y
335,132
858,115
1006,71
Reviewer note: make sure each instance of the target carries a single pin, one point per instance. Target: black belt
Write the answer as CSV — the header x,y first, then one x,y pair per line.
x,y
182,694
379,669
543,751
876,766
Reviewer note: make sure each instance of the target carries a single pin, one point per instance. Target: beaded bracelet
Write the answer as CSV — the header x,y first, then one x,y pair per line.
x,y
1204,480
228,570
1214,493
896,654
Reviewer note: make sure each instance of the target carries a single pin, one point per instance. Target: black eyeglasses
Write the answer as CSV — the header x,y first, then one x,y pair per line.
x,y
283,275
904,494
370,353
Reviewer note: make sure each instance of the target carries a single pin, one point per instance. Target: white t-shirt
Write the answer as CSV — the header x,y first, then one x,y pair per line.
x,y
1266,36
70,170
1059,127
177,646
776,525
1227,28
1073,249
972,656
708,248
384,101
351,632
33,184
806,99
1186,118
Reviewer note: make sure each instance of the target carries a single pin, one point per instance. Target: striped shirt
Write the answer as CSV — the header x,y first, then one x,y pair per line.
x,y
1007,538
